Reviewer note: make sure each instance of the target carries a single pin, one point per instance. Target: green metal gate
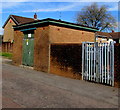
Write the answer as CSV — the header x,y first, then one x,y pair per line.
x,y
28,50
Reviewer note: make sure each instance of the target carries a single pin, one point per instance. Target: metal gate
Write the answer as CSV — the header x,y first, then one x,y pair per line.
x,y
98,62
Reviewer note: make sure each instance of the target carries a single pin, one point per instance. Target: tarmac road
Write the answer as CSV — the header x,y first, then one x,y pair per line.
x,y
27,88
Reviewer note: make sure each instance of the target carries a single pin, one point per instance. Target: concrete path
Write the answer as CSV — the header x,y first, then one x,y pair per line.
x,y
28,88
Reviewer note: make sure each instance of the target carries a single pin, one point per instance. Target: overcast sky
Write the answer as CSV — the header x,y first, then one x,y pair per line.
x,y
66,10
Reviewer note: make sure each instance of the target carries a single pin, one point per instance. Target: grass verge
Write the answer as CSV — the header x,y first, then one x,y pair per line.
x,y
7,55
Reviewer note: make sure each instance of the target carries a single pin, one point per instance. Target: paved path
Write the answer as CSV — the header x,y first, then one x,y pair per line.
x,y
29,88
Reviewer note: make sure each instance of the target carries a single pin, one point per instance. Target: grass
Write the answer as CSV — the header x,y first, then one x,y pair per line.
x,y
5,54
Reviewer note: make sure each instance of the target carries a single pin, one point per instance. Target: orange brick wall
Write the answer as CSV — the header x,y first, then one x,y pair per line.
x,y
43,38
17,47
67,35
8,31
41,49
63,36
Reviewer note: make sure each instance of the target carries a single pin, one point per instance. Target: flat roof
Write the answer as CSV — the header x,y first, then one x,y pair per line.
x,y
50,21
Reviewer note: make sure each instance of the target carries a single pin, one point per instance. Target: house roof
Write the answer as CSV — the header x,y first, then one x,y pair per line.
x,y
103,34
50,21
115,35
19,20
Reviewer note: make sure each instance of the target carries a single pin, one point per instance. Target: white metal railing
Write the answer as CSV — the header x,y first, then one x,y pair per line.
x,y
98,62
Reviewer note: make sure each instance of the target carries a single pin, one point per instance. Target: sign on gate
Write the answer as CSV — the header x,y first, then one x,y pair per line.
x,y
98,62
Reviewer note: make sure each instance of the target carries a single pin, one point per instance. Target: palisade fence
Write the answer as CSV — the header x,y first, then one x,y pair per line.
x,y
98,62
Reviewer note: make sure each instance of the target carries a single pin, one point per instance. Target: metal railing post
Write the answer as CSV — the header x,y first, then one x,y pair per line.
x,y
83,52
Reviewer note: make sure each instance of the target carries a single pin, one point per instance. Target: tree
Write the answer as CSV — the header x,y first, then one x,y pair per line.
x,y
97,17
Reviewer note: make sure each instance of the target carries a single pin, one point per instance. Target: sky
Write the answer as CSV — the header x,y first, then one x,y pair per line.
x,y
65,11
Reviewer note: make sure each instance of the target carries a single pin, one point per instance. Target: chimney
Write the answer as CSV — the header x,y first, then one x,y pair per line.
x,y
113,31
35,16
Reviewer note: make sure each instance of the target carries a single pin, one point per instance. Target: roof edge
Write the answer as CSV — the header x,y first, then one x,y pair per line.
x,y
10,16
50,21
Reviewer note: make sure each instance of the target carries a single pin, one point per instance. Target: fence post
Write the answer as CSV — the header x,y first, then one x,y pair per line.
x,y
108,64
91,61
87,61
97,61
94,62
112,63
100,61
105,63
83,52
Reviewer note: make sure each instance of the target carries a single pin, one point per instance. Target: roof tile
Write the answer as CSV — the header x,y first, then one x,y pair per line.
x,y
22,20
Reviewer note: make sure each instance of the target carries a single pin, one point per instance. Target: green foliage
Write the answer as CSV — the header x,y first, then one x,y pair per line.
x,y
97,17
5,54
